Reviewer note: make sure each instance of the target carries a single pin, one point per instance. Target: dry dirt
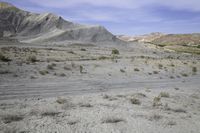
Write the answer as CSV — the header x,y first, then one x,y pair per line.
x,y
87,89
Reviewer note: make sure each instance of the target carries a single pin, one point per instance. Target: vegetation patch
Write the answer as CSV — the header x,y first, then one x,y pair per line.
x,y
135,101
4,58
12,118
112,120
31,58
115,51
164,94
43,72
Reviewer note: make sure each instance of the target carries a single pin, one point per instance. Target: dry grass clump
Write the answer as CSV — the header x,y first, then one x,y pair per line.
x,y
157,101
112,119
31,58
164,94
61,100
135,101
115,51
8,118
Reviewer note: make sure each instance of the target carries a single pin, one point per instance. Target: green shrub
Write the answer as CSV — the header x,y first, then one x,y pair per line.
x,y
115,51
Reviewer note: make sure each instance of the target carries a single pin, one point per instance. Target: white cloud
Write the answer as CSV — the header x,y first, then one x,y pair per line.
x,y
192,5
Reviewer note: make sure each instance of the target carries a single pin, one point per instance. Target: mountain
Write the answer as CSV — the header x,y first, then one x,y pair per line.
x,y
141,38
49,28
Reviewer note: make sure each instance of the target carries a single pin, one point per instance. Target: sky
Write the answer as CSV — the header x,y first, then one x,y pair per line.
x,y
128,17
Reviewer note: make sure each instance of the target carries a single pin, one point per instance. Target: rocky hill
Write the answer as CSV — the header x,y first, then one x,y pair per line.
x,y
38,28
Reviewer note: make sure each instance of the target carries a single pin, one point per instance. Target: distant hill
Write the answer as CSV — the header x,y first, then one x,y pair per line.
x,y
178,39
141,38
49,28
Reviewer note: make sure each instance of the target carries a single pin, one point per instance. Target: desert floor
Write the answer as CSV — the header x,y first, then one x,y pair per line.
x,y
87,89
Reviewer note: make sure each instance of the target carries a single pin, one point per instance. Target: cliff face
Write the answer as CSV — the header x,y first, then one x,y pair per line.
x,y
34,28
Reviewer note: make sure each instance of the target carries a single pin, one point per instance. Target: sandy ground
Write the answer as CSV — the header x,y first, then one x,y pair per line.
x,y
86,89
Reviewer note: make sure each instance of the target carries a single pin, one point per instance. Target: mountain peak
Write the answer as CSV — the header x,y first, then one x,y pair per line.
x,y
4,5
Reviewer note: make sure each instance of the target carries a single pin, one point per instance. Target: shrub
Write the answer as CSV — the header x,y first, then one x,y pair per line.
x,y
81,69
62,75
71,52
112,120
135,101
198,46
115,51
155,72
51,66
50,113
66,68
121,70
156,101
171,123
31,58
43,72
164,94
136,69
184,75
160,66
194,69
179,110
87,105
82,49
11,118
155,117
4,58
103,58
61,100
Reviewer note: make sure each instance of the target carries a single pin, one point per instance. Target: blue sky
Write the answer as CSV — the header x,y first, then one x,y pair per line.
x,y
130,17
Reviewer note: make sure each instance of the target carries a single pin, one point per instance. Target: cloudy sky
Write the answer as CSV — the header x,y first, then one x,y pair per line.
x,y
130,17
